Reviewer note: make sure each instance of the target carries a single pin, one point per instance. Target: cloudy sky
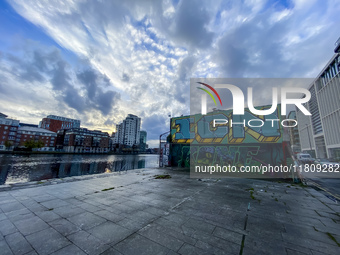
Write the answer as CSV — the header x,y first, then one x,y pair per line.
x,y
98,61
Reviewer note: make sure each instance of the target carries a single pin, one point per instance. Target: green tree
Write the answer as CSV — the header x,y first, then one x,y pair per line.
x,y
30,144
39,144
8,144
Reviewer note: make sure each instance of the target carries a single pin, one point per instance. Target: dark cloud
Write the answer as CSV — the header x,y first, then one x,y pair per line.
x,y
191,22
188,25
259,48
154,125
125,77
93,82
72,98
89,79
42,65
185,71
60,78
106,100
25,68
186,67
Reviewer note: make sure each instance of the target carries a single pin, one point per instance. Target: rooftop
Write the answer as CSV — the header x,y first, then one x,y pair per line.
x,y
35,129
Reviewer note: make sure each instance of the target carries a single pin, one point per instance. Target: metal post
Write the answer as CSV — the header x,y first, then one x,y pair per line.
x,y
310,144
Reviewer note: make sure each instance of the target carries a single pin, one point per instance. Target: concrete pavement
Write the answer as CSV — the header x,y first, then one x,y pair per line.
x,y
134,213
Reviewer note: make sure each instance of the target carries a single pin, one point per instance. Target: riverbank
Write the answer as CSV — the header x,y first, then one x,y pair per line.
x,y
72,153
39,167
163,211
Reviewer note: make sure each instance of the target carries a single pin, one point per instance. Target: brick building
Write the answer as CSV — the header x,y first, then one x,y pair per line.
x,y
27,133
8,131
80,140
55,123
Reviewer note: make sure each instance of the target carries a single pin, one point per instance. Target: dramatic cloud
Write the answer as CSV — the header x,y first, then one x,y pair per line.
x,y
101,60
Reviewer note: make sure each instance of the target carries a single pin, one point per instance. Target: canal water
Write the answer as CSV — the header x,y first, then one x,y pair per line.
x,y
36,167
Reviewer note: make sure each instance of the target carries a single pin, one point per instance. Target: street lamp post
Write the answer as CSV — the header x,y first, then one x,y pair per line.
x,y
310,144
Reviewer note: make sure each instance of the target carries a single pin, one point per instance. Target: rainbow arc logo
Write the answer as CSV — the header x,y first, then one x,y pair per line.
x,y
209,93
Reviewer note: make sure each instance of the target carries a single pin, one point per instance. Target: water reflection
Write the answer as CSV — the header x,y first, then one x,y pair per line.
x,y
24,168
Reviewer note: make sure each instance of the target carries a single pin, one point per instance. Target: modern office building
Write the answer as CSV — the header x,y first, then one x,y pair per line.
x,y
128,132
142,141
55,123
8,132
320,133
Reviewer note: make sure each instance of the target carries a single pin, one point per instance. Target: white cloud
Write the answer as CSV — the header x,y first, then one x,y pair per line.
x,y
149,50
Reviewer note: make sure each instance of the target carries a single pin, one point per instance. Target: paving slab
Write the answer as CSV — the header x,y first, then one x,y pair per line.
x,y
134,213
137,244
86,220
110,233
4,248
88,243
18,243
47,241
29,226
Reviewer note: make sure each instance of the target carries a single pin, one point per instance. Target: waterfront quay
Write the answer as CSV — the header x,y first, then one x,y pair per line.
x,y
164,211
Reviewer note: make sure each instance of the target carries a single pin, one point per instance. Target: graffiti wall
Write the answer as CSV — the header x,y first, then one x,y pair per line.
x,y
222,127
222,138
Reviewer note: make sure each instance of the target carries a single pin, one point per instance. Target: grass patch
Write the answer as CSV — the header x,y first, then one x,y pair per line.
x,y
250,189
50,209
163,176
276,199
252,195
107,189
333,238
302,185
40,182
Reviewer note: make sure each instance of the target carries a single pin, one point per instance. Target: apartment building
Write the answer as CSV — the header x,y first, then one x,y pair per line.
x,y
320,133
8,132
55,123
128,132
82,140
28,133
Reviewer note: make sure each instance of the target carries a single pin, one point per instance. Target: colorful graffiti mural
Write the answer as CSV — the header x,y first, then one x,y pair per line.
x,y
235,129
200,140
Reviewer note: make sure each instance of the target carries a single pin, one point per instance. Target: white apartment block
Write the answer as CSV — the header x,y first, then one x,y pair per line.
x,y
128,132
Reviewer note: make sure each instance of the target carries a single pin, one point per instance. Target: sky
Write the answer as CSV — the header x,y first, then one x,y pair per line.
x,y
99,61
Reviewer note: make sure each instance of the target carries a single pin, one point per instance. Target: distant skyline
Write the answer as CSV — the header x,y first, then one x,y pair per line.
x,y
99,61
